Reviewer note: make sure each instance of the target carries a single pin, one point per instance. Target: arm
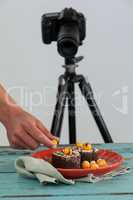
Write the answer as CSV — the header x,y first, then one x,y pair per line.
x,y
23,129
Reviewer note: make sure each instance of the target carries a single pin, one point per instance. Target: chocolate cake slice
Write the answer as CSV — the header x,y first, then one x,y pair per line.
x,y
89,155
87,152
67,161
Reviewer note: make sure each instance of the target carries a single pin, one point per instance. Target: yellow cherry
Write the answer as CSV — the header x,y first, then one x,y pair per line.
x,y
102,163
85,164
55,141
67,151
94,165
79,145
87,146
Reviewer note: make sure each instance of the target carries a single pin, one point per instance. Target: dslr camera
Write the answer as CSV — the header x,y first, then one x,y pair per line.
x,y
67,27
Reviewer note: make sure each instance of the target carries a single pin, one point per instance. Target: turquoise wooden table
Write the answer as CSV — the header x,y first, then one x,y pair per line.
x,y
15,187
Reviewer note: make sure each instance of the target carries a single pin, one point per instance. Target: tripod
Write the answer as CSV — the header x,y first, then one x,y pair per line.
x,y
66,90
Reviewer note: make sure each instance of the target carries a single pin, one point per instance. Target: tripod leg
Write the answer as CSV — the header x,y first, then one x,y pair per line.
x,y
88,94
59,108
71,112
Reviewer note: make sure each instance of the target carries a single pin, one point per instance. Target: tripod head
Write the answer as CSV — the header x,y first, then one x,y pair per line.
x,y
71,61
71,64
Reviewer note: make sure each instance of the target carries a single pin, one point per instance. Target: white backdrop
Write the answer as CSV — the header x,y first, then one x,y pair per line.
x,y
26,63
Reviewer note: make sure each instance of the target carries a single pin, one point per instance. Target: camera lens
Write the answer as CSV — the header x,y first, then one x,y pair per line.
x,y
67,47
68,40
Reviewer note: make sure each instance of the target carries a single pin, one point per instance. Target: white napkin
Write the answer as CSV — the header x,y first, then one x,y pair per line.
x,y
43,171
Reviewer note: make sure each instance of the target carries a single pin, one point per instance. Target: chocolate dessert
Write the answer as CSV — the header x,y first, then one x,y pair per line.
x,y
67,159
89,155
87,152
78,156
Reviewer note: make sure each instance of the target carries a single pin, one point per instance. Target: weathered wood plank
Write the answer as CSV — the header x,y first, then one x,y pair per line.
x,y
7,158
83,197
12,184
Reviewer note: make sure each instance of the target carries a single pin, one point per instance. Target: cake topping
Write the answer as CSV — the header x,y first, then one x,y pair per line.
x,y
95,149
67,151
79,145
87,146
60,153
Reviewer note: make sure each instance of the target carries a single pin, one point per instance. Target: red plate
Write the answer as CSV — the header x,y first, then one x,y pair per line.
x,y
114,161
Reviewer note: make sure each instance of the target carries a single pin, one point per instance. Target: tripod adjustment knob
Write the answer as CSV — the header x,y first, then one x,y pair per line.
x,y
78,59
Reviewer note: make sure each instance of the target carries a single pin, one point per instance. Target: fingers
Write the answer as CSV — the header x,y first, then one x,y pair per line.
x,y
21,139
29,142
45,130
38,135
18,144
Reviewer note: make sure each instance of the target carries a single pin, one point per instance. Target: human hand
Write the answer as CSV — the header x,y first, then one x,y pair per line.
x,y
25,131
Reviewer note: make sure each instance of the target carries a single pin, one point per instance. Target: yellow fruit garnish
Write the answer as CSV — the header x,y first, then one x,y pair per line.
x,y
58,140
102,163
70,153
55,141
85,164
87,146
67,151
94,165
79,145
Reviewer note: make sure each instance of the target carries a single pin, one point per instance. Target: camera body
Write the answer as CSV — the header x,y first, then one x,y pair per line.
x,y
67,27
